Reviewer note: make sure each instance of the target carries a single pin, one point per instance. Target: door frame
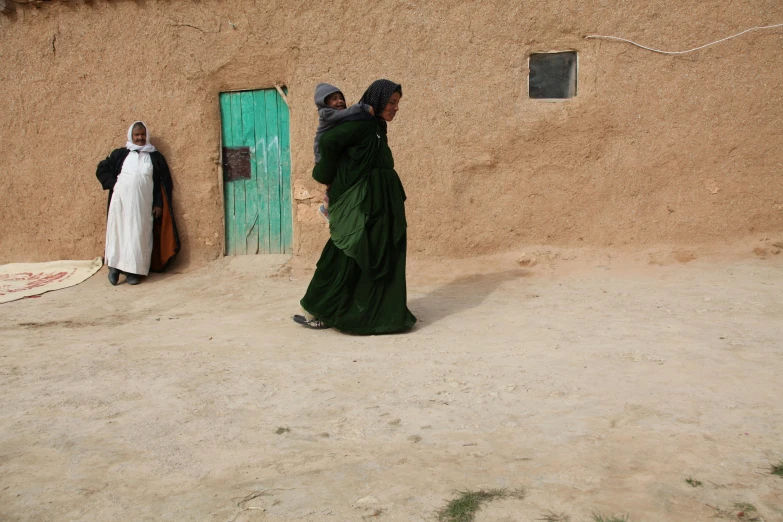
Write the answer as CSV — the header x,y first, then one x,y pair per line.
x,y
282,90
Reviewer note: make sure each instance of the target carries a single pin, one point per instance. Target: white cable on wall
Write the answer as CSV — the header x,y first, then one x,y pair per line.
x,y
689,50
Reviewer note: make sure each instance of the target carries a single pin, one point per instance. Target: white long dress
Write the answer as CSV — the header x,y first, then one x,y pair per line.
x,y
129,226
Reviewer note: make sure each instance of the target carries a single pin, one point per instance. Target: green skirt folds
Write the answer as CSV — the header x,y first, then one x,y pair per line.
x,y
359,287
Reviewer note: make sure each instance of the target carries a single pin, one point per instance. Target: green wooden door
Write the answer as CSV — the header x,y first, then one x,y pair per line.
x,y
256,172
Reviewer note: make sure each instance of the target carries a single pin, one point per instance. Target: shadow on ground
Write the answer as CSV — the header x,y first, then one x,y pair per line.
x,y
463,293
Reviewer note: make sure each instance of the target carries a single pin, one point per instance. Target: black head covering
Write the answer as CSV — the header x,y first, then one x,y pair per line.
x,y
378,93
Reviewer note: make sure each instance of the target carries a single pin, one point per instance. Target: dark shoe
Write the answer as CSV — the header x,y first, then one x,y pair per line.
x,y
133,279
313,323
114,276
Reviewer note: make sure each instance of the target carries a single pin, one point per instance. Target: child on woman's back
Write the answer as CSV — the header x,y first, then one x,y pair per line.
x,y
332,112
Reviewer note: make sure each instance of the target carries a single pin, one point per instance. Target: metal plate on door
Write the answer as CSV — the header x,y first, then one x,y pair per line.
x,y
236,163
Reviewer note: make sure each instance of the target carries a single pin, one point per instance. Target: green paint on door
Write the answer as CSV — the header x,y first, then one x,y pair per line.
x,y
259,216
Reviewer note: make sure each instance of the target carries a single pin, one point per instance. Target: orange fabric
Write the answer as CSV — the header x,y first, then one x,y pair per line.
x,y
164,244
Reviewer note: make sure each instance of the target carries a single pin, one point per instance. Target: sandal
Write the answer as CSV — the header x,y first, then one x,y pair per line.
x,y
315,324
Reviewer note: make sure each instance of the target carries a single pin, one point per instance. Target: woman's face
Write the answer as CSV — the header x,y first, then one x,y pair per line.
x,y
392,106
139,135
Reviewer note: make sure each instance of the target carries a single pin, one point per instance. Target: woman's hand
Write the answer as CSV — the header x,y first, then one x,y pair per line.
x,y
157,212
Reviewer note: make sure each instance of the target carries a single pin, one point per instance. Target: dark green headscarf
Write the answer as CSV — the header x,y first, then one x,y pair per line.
x,y
378,93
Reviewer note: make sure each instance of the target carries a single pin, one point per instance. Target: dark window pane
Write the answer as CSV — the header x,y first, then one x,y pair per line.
x,y
553,75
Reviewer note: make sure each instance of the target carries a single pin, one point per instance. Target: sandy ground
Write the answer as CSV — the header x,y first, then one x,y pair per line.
x,y
596,390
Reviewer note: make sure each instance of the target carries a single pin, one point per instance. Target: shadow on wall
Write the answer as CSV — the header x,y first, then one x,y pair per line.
x,y
462,294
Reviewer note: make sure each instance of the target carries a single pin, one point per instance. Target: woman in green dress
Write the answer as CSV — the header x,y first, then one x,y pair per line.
x,y
359,282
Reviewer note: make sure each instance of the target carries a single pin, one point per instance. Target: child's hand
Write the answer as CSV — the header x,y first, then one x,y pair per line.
x,y
371,110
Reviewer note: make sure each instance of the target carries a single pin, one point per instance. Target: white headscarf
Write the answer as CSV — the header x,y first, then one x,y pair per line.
x,y
148,147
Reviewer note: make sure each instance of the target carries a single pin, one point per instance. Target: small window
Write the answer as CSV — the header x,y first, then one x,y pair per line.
x,y
552,75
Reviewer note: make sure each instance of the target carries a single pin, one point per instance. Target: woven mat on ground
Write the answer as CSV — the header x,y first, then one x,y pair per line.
x,y
18,280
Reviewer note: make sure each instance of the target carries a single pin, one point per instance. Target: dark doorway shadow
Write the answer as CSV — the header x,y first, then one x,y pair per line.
x,y
463,293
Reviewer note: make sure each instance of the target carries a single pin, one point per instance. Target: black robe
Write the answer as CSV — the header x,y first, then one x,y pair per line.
x,y
166,241
359,282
